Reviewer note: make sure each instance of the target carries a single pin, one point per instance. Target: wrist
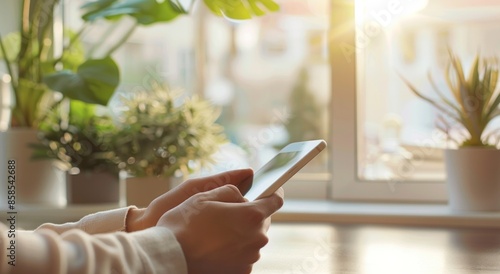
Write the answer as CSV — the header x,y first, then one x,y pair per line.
x,y
135,220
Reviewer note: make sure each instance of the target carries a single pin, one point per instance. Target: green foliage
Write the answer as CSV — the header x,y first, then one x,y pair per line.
x,y
146,12
240,9
158,137
80,140
11,45
30,62
475,100
35,71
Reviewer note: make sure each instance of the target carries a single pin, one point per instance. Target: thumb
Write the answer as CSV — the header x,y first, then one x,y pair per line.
x,y
227,194
242,178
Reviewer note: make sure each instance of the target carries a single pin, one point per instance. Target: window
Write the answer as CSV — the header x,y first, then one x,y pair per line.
x,y
269,76
385,145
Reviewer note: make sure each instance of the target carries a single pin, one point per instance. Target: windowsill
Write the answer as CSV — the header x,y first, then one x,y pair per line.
x,y
378,213
296,210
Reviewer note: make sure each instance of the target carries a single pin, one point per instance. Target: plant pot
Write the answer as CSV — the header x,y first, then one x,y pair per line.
x,y
93,188
38,182
473,179
142,190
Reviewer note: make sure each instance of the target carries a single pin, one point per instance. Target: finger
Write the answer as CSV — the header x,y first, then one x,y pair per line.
x,y
226,193
238,177
267,224
271,204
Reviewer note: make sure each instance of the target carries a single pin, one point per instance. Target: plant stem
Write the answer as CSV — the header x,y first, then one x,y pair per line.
x,y
33,62
25,36
25,17
44,29
123,39
9,68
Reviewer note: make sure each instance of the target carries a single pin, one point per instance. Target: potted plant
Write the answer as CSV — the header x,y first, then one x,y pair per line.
x,y
81,142
161,136
36,71
473,173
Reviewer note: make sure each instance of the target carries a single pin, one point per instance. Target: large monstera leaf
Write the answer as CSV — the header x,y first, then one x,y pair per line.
x,y
146,12
240,9
94,81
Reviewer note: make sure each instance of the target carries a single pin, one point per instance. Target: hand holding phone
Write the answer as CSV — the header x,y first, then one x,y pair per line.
x,y
282,167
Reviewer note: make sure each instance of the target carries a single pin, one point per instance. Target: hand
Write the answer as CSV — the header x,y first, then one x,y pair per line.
x,y
219,231
139,219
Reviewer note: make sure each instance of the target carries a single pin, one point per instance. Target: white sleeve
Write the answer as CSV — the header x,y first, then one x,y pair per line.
x,y
100,222
70,248
154,250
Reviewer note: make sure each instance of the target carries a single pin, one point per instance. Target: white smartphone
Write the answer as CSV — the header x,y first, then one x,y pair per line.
x,y
282,167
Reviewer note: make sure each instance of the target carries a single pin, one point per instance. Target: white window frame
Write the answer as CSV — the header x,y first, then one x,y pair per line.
x,y
346,184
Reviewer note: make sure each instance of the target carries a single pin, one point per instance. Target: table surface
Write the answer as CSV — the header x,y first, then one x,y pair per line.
x,y
297,248
330,248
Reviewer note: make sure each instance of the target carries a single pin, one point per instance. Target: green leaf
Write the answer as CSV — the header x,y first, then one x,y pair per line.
x,y
270,5
492,108
474,75
441,95
92,8
462,84
94,82
240,9
81,113
454,90
490,84
430,101
146,12
30,95
11,43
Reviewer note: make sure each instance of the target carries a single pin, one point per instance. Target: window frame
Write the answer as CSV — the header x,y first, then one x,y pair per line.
x,y
344,130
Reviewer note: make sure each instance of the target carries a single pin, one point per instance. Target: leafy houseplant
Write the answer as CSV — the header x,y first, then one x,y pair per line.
x,y
158,136
161,136
36,71
81,142
472,170
475,100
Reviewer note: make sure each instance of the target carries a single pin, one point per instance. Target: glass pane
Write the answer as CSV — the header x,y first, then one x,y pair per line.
x,y
409,39
269,75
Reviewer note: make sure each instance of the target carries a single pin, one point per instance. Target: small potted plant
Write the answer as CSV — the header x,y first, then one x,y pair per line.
x,y
473,173
81,143
161,136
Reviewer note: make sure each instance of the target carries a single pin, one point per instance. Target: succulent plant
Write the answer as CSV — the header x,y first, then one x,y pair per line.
x,y
161,134
474,102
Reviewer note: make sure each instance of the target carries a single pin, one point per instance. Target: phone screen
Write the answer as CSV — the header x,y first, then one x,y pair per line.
x,y
271,172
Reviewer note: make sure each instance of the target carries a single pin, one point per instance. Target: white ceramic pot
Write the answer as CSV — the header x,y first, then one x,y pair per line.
x,y
473,179
38,182
142,190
